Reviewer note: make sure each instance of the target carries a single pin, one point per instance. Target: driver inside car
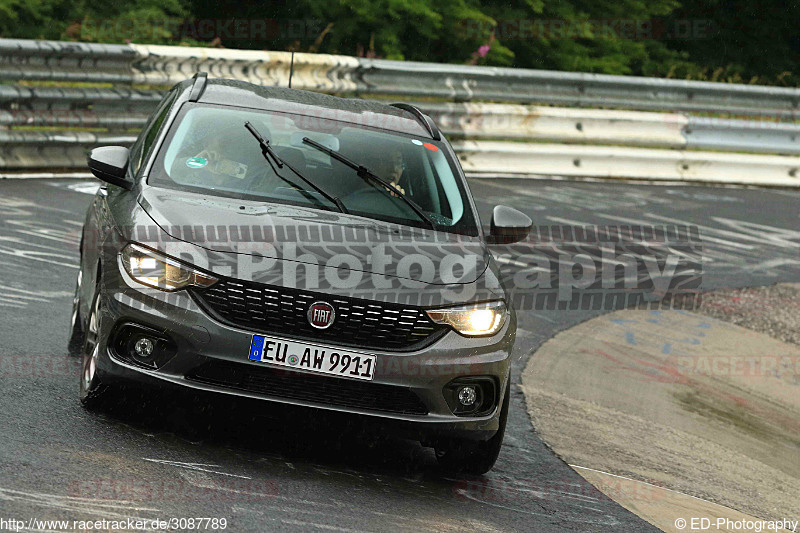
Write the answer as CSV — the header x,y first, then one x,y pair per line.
x,y
391,168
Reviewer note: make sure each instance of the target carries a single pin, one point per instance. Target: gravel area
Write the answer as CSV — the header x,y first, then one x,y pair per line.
x,y
773,310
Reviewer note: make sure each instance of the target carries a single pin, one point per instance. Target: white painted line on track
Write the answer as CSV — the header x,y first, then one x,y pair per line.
x,y
196,466
648,484
46,175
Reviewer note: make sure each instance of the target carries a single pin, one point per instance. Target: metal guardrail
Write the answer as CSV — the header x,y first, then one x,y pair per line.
x,y
65,61
558,124
168,65
111,89
486,158
165,65
40,150
66,107
742,135
612,127
473,83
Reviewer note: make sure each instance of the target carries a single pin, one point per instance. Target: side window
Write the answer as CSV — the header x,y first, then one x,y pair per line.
x,y
142,147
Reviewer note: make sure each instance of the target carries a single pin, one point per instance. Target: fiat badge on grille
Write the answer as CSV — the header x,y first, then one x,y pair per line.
x,y
321,315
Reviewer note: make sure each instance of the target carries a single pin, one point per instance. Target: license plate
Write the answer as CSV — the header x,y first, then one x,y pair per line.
x,y
310,358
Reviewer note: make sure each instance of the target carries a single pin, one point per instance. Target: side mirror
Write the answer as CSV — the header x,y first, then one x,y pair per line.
x,y
508,225
108,163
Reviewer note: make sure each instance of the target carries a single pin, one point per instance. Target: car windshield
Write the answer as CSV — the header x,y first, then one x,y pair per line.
x,y
209,150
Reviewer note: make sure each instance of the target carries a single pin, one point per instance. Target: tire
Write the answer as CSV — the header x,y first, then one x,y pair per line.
x,y
76,334
471,457
94,393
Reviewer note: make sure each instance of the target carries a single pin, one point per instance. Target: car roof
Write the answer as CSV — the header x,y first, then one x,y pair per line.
x,y
223,91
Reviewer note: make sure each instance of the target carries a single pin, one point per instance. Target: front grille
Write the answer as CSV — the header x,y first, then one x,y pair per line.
x,y
359,323
282,383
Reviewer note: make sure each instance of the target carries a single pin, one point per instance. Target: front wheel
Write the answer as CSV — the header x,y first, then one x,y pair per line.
x,y
93,392
471,457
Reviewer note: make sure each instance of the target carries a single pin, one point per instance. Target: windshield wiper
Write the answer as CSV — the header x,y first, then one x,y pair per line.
x,y
268,152
366,174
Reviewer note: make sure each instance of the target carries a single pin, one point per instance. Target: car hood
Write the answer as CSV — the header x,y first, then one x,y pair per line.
x,y
283,233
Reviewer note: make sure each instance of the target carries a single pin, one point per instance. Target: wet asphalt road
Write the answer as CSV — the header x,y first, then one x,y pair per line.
x,y
170,455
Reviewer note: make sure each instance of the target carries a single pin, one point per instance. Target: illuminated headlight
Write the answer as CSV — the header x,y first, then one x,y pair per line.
x,y
474,320
161,272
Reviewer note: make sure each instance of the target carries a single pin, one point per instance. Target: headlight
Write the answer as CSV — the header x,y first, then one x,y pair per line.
x,y
472,320
161,272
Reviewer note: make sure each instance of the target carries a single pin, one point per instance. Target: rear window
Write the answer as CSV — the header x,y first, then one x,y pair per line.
x,y
209,150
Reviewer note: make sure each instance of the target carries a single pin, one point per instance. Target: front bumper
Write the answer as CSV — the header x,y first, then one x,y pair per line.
x,y
199,339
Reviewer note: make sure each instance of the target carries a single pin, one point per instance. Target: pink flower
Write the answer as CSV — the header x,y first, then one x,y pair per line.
x,y
483,50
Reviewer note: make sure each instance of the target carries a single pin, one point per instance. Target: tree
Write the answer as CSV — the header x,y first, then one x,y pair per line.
x,y
724,40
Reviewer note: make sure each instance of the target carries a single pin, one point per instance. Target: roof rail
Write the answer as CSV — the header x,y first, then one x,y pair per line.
x,y
198,86
422,117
